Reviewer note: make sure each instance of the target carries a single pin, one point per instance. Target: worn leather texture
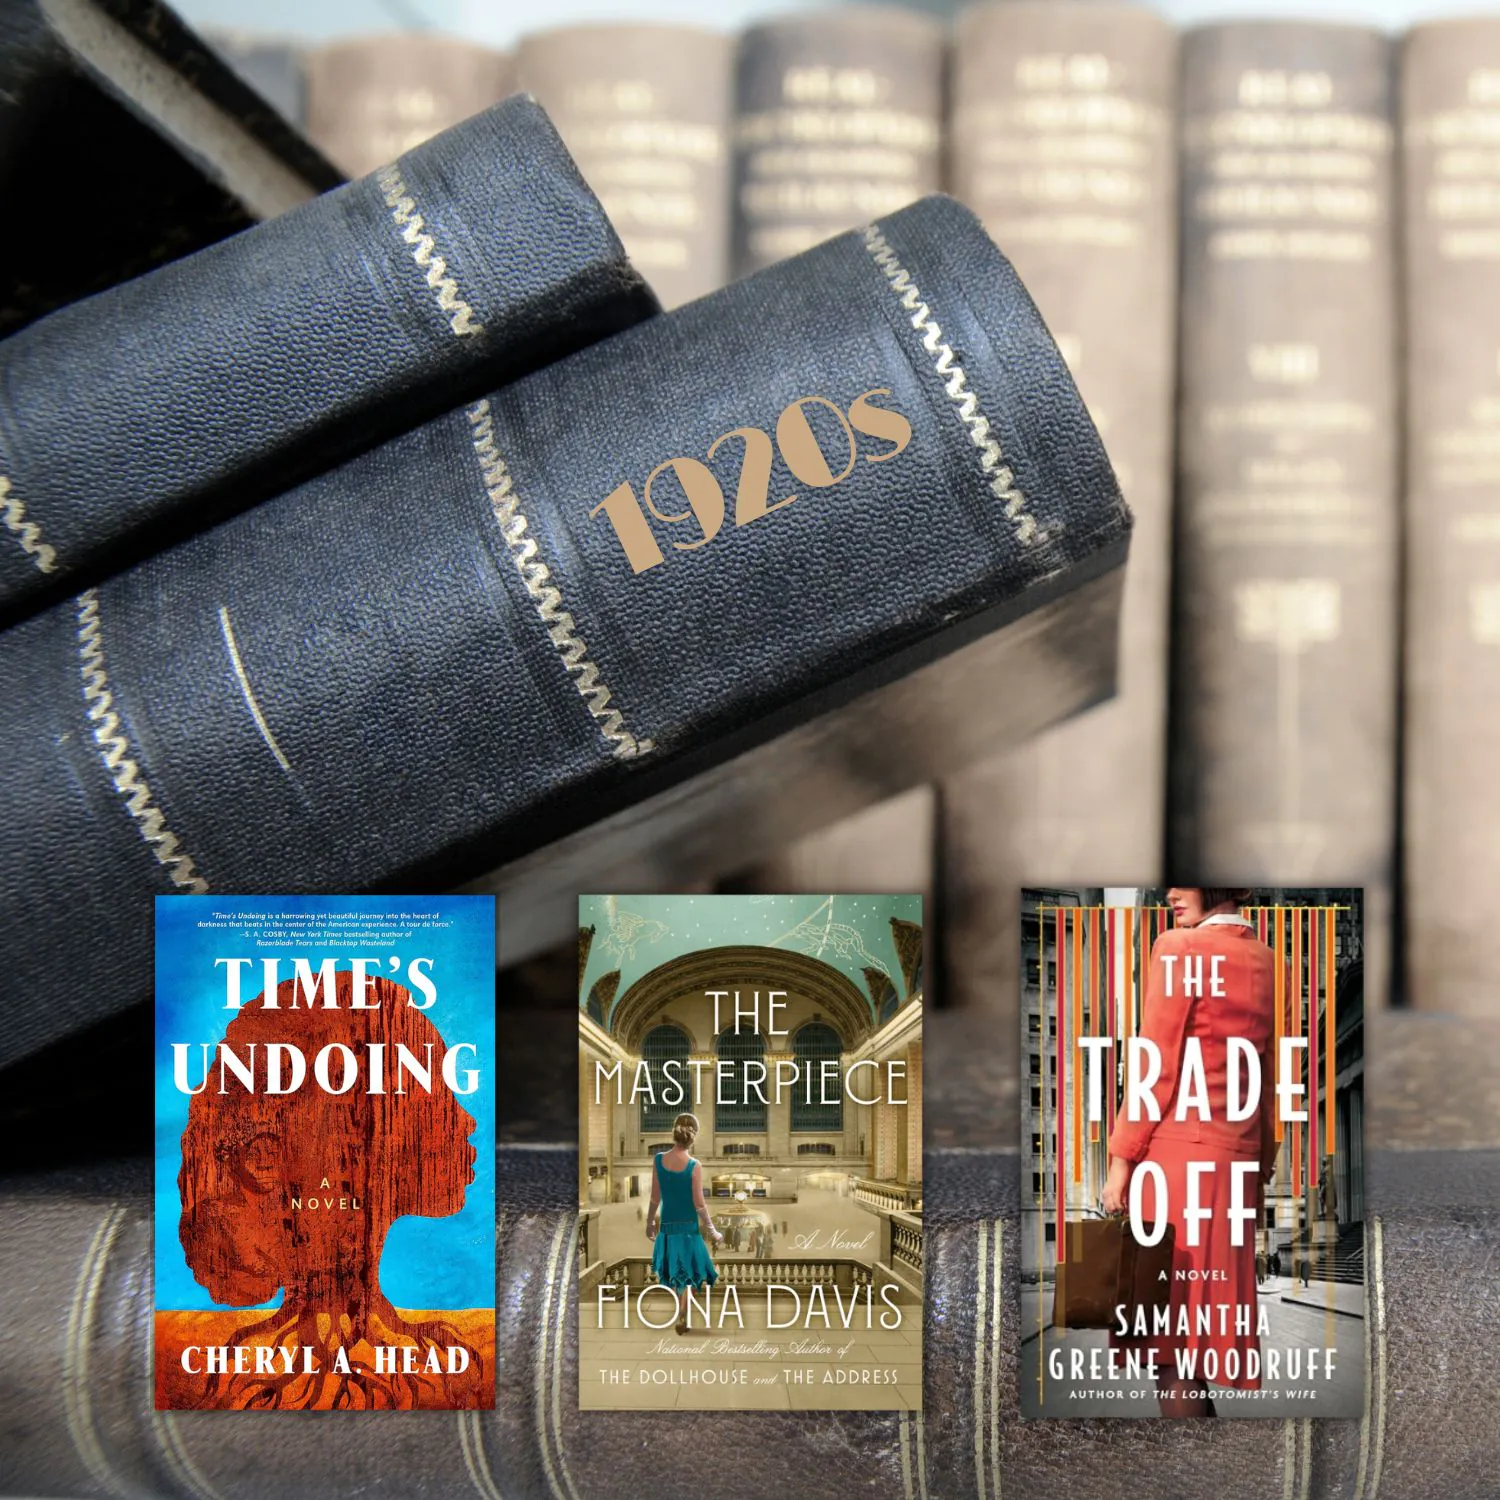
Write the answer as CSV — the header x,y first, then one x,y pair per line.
x,y
105,190
434,657
155,408
75,1416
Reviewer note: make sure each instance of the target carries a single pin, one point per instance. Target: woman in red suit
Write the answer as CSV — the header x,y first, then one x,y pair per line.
x,y
1213,1274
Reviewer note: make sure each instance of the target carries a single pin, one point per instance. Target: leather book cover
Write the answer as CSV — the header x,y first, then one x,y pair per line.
x,y
839,120
1064,142
646,112
820,484
134,143
1450,107
77,1421
229,376
372,99
750,1153
325,1171
271,65
1284,683
1193,1066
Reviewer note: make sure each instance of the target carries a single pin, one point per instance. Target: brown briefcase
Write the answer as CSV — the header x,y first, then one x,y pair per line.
x,y
1106,1268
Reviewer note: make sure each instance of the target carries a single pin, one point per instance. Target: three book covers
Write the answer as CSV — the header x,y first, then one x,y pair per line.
x,y
750,1165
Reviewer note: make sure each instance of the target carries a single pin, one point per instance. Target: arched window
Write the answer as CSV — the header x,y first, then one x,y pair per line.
x,y
739,1107
814,1045
663,1044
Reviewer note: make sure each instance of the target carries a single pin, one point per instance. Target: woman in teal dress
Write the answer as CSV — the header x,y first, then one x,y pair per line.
x,y
678,1218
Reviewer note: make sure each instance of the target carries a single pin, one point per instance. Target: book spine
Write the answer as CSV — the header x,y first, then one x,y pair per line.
x,y
272,68
134,143
839,119
1451,172
372,99
229,376
1063,142
645,110
1284,689
76,1381
490,632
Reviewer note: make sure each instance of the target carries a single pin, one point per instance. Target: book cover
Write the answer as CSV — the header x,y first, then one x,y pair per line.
x,y
325,1153
1192,1193
750,1160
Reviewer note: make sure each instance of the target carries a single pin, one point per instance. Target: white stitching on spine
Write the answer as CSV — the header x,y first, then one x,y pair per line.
x,y
955,383
27,533
114,750
536,575
403,209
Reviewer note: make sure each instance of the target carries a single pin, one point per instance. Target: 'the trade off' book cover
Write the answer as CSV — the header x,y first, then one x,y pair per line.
x,y
1192,1235
325,1153
750,1164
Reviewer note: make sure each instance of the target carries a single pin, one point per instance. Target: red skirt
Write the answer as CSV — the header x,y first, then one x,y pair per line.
x,y
1215,1308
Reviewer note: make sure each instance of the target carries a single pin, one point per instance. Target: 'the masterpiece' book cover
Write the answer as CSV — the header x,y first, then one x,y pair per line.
x,y
1192,1226
325,1153
750,1163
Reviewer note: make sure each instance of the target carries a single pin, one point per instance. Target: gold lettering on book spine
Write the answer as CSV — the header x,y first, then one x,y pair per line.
x,y
537,576
403,209
114,751
955,380
27,533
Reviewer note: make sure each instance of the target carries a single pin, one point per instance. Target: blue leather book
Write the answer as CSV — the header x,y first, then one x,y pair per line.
x,y
161,405
126,142
591,588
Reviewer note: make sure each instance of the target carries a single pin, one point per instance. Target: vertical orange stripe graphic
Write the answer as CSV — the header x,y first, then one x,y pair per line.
x,y
1112,1018
1077,993
1330,1034
1095,1025
1057,1142
1297,1031
1129,967
1312,1047
1039,1157
1279,947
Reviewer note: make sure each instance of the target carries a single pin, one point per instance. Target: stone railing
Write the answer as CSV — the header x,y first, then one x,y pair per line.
x,y
589,1267
894,1197
635,1272
907,1247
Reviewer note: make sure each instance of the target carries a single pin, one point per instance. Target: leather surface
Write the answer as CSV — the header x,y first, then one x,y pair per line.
x,y
74,1379
156,407
74,1258
354,685
107,193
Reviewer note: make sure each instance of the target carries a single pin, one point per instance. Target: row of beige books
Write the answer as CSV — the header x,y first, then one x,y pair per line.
x,y
1270,251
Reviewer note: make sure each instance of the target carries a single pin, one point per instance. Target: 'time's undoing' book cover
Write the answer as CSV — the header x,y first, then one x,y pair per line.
x,y
1192,1228
325,1153
750,1163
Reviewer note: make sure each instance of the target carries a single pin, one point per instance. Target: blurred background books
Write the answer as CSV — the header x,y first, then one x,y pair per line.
x,y
1270,250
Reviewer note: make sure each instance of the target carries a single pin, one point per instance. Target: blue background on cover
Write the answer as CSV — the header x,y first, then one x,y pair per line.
x,y
428,1263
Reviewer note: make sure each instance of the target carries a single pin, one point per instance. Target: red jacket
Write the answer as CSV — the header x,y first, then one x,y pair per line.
x,y
1245,1008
